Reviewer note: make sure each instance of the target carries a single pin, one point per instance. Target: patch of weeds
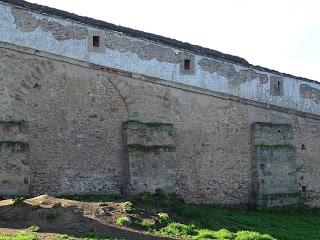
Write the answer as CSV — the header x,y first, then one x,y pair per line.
x,y
209,234
247,235
170,200
127,207
123,221
164,218
178,230
146,200
113,197
34,228
18,201
148,224
19,236
64,237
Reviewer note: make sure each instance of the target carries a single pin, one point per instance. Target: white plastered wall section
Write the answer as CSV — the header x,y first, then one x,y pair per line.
x,y
129,61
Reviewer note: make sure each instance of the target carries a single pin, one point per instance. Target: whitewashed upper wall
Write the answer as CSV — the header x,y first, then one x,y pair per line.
x,y
72,39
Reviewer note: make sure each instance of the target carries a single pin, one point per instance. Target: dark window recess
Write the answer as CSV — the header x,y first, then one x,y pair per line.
x,y
96,41
37,86
277,88
304,188
303,147
186,64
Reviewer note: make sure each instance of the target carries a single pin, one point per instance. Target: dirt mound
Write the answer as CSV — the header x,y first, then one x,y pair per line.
x,y
64,216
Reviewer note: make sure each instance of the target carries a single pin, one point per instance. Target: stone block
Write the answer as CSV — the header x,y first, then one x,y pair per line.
x,y
274,165
152,157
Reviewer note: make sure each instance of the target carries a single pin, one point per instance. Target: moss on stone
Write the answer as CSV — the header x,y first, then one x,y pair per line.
x,y
149,124
18,146
277,196
275,146
23,125
152,148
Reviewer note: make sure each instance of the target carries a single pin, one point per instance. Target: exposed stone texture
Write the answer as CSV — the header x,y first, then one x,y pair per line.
x,y
76,114
75,124
24,20
15,172
13,130
61,32
144,50
152,157
228,71
274,162
310,93
149,134
27,22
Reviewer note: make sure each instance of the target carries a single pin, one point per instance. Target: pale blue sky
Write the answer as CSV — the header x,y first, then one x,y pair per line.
x,y
280,34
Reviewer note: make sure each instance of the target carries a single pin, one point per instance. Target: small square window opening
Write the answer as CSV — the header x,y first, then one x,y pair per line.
x,y
96,41
186,64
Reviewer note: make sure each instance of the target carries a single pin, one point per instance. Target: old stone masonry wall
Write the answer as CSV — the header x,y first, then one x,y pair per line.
x,y
86,110
69,128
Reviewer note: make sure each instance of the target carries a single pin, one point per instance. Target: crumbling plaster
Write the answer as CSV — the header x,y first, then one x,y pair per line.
x,y
68,38
76,114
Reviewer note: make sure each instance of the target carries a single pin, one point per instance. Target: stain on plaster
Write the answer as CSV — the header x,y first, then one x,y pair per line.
x,y
229,72
27,22
310,93
144,50
24,20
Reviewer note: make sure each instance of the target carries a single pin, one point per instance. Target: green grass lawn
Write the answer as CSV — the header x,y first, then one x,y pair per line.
x,y
283,224
206,222
19,236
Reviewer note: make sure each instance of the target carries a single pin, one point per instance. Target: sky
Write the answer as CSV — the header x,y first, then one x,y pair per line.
x,y
283,35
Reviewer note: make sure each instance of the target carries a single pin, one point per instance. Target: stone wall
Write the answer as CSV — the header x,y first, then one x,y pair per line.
x,y
152,157
14,159
274,165
74,118
137,52
75,114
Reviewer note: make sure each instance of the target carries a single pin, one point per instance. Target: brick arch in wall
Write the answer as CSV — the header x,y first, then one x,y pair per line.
x,y
84,152
17,80
40,70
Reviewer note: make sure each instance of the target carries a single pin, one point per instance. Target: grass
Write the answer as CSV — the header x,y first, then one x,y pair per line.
x,y
123,221
168,215
148,224
164,218
192,232
19,236
127,207
282,223
216,222
34,228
